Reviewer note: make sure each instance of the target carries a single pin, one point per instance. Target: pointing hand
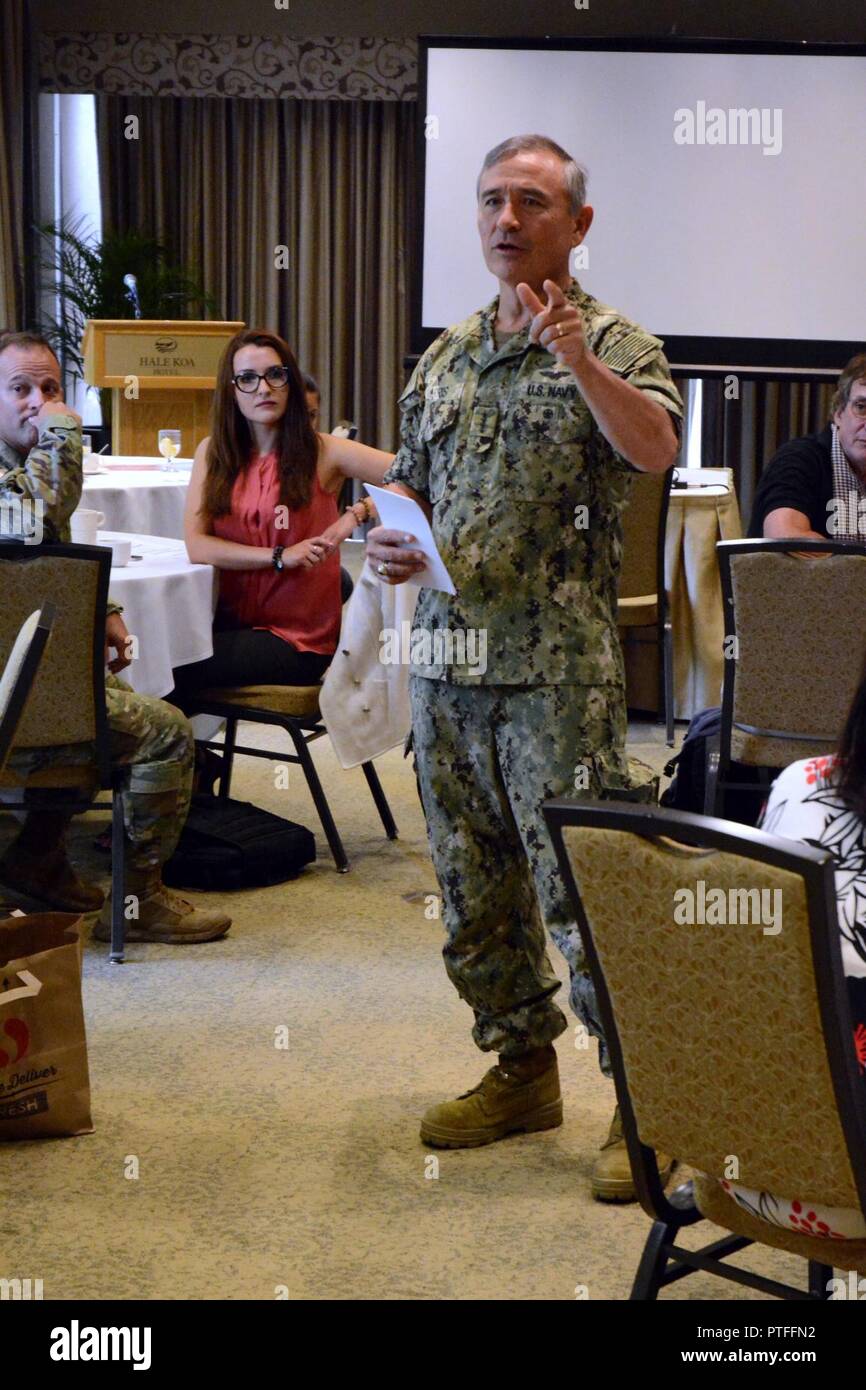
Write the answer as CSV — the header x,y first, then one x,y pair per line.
x,y
556,325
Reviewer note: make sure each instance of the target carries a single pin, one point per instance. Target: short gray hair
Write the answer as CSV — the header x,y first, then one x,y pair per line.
x,y
852,372
26,339
574,174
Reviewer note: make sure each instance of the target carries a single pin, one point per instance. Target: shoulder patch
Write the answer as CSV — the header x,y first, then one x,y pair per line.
x,y
632,350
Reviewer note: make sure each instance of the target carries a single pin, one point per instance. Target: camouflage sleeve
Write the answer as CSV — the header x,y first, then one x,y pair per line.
x,y
638,357
49,477
411,464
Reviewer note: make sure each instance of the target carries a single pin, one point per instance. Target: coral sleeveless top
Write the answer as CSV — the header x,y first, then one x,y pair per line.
x,y
300,605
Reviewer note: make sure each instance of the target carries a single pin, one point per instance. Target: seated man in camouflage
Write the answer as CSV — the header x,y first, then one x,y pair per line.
x,y
40,466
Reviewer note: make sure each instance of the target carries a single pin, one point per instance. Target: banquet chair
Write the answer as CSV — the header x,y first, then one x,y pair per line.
x,y
67,700
642,600
19,673
731,1047
793,661
294,708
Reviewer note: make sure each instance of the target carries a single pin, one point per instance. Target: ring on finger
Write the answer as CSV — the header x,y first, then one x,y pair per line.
x,y
383,568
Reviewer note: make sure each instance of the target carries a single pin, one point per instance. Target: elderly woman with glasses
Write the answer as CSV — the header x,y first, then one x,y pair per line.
x,y
262,508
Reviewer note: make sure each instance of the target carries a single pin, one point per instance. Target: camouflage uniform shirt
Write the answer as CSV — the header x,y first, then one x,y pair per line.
x,y
502,444
50,474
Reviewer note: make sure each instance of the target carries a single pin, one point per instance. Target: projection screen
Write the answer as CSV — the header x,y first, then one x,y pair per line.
x,y
729,211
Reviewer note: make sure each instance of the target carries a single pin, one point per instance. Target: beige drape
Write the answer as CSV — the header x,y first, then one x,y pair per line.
x,y
16,167
225,182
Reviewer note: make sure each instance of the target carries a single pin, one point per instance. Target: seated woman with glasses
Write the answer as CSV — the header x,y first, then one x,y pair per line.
x,y
262,509
822,801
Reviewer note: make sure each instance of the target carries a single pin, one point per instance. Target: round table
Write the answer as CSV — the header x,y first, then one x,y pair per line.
x,y
168,606
136,495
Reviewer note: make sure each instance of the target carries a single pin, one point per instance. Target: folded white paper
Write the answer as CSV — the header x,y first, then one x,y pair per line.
x,y
399,513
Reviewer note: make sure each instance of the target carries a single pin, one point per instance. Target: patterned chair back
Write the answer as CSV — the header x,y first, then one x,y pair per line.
x,y
67,703
722,971
799,646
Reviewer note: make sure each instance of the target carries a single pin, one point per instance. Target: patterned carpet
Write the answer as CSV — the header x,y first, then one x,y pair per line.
x,y
263,1170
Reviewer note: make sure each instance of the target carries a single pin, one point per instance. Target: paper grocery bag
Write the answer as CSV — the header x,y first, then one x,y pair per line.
x,y
44,1084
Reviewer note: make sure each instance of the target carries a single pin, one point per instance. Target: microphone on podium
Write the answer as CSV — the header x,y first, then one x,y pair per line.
x,y
132,293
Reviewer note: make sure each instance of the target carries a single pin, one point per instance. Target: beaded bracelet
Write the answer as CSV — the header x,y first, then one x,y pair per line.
x,y
367,510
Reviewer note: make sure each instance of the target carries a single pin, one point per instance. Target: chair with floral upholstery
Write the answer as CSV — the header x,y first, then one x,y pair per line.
x,y
793,653
66,706
726,1015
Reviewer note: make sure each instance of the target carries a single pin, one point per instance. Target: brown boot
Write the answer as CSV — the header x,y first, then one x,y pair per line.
x,y
518,1094
49,878
612,1180
163,916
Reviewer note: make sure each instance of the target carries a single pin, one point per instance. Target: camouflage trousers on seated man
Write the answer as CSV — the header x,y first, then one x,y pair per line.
x,y
488,757
154,741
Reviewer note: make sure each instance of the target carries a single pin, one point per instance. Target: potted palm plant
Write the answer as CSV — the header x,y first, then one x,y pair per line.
x,y
87,277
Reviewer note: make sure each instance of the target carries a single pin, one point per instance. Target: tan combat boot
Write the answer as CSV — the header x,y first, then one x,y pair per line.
x,y
611,1175
49,878
514,1095
162,916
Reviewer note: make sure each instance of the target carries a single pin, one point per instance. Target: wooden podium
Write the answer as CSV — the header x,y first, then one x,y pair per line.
x,y
161,373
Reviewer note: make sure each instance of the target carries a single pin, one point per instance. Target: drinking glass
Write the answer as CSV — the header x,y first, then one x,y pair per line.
x,y
169,447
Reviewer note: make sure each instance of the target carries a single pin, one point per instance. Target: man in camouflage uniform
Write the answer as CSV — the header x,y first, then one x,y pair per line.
x,y
520,427
40,465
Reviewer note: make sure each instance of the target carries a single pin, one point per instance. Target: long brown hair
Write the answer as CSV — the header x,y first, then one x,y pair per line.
x,y
231,441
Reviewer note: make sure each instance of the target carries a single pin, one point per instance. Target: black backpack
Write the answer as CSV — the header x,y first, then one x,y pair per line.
x,y
231,844
689,770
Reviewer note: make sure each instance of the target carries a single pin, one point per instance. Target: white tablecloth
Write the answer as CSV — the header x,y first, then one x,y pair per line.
x,y
698,518
141,499
168,605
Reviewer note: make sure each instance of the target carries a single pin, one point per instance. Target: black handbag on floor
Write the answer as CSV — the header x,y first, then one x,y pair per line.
x,y
232,844
689,770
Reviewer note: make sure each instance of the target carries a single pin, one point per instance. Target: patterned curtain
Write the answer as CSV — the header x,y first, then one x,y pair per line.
x,y
18,170
230,65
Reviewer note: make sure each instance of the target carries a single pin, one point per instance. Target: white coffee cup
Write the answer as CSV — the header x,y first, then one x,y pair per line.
x,y
85,525
120,553
90,463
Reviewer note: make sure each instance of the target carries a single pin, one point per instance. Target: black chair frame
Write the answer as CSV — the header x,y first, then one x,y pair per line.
x,y
718,770
302,730
665,629
663,1261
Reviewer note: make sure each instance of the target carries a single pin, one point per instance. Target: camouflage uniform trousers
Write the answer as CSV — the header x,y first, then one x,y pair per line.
x,y
487,758
155,742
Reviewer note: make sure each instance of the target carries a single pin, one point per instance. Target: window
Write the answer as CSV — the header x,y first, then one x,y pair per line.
x,y
69,188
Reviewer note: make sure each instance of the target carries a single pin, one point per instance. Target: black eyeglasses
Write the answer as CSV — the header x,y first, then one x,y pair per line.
x,y
248,381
